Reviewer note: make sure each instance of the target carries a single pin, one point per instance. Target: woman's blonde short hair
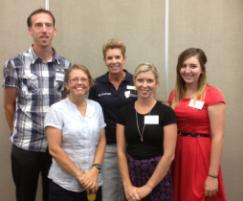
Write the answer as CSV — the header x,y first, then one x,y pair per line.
x,y
146,67
112,44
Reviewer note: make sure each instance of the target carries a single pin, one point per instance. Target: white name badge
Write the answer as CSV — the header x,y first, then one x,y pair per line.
x,y
127,94
196,104
59,76
151,119
130,87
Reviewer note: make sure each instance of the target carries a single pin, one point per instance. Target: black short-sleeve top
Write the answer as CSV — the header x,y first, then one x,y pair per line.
x,y
144,133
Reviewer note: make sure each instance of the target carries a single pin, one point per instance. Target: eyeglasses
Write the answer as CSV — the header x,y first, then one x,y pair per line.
x,y
77,79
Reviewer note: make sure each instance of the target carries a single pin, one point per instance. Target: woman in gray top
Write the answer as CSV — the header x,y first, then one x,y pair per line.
x,y
76,139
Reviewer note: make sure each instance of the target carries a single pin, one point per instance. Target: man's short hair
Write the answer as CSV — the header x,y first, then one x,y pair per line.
x,y
40,10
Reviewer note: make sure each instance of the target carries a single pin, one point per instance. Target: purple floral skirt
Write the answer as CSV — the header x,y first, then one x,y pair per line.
x,y
141,170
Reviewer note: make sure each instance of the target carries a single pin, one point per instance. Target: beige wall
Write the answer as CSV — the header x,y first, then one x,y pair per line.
x,y
217,27
139,23
84,25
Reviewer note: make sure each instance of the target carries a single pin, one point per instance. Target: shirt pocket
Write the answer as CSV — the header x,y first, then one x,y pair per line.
x,y
30,84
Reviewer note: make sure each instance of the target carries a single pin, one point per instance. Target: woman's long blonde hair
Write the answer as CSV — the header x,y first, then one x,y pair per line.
x,y
180,87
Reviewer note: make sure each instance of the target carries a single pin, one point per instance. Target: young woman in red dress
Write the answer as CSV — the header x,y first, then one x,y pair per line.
x,y
200,112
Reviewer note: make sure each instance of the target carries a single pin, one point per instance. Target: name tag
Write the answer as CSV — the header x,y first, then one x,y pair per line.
x,y
127,94
151,119
130,87
59,76
196,104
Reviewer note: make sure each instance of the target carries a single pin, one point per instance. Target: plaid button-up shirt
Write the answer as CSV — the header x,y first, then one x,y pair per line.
x,y
38,85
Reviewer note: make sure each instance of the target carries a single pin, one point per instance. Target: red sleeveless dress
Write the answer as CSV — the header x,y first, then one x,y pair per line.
x,y
192,158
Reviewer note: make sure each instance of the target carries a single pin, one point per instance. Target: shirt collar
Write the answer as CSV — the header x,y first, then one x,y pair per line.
x,y
127,77
36,59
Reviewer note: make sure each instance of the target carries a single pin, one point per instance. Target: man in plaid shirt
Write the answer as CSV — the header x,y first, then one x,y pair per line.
x,y
33,81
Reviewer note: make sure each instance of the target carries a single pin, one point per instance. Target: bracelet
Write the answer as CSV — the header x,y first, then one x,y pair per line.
x,y
97,166
212,176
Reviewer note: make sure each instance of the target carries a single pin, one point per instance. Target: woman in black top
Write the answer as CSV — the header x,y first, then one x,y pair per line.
x,y
146,138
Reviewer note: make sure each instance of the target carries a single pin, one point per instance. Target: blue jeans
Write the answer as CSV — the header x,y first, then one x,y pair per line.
x,y
57,193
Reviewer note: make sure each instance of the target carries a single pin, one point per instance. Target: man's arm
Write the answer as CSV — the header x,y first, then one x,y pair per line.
x,y
10,94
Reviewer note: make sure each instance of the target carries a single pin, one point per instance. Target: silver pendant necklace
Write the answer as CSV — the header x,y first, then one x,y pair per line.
x,y
139,131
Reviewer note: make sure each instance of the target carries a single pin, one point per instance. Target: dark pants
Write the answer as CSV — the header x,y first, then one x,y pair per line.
x,y
26,167
57,193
